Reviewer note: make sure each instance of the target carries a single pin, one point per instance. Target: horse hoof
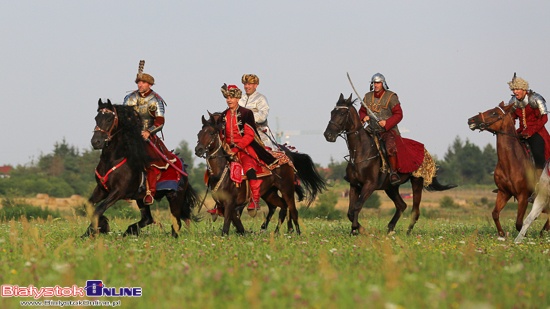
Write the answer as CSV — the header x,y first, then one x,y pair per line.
x,y
214,217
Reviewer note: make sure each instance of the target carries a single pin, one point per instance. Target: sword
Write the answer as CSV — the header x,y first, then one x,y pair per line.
x,y
166,159
369,112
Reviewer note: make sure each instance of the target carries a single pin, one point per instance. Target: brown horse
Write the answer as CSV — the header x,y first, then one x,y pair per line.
x,y
514,173
233,199
121,168
363,170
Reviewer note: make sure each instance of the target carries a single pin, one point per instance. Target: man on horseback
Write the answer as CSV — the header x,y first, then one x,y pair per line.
x,y
238,130
385,105
150,106
257,103
530,109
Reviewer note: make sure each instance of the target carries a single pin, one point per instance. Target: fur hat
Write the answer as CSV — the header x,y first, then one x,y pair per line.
x,y
143,77
232,91
518,83
250,79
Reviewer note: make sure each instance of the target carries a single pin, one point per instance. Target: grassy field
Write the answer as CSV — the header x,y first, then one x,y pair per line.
x,y
453,259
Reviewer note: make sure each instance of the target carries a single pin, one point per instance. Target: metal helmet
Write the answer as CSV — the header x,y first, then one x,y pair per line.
x,y
378,78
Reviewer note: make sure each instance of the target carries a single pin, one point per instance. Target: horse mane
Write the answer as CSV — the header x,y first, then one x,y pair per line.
x,y
132,145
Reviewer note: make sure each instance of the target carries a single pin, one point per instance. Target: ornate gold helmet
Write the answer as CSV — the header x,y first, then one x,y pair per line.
x,y
250,79
143,77
232,91
518,83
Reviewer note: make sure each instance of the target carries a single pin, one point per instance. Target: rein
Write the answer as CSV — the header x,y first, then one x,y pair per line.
x,y
485,126
115,124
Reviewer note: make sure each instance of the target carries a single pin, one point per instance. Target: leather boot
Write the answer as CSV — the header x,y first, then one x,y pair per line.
x,y
255,205
394,178
151,187
531,199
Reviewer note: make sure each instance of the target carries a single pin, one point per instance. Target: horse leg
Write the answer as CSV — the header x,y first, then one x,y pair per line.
x,y
353,197
417,186
502,199
400,206
272,200
236,219
540,205
522,207
288,196
176,204
146,219
97,216
366,191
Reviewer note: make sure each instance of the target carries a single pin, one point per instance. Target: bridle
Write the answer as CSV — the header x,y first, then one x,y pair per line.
x,y
342,130
115,124
484,126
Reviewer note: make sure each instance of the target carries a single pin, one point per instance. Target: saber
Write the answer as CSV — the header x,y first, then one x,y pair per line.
x,y
371,114
166,159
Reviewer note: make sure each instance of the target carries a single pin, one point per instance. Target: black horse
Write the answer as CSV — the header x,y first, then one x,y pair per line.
x,y
232,199
363,170
121,168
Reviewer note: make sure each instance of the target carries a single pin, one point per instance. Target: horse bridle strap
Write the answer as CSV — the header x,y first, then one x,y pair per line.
x,y
103,179
115,124
500,118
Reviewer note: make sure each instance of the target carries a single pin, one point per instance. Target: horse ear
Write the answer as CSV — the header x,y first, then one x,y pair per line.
x,y
99,102
501,104
109,102
349,99
341,98
203,120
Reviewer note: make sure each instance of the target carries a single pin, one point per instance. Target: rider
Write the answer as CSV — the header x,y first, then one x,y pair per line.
x,y
150,106
257,103
530,109
238,130
385,105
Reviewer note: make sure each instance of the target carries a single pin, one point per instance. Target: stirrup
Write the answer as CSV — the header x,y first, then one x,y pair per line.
x,y
395,181
148,199
253,209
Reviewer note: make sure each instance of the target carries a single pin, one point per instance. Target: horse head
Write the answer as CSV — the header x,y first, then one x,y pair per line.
x,y
490,120
208,135
106,122
343,118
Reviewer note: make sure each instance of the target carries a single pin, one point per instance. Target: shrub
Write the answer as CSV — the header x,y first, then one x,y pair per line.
x,y
447,202
324,209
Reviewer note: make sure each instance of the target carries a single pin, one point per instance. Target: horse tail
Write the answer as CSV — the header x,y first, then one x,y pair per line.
x,y
436,186
300,192
312,182
190,201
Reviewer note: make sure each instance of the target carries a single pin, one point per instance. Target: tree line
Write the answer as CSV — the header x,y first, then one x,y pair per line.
x,y
67,170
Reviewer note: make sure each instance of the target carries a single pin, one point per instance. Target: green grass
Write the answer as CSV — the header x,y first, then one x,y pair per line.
x,y
453,259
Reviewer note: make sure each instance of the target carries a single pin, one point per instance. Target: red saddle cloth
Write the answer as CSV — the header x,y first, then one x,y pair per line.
x,y
410,154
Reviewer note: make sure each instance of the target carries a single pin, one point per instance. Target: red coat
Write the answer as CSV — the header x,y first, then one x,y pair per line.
x,y
410,153
531,122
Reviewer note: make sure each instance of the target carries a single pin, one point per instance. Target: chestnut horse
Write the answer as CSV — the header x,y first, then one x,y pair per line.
x,y
363,170
121,170
514,173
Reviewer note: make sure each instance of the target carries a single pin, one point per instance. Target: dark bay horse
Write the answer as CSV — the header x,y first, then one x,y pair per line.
x,y
233,199
514,173
365,163
119,173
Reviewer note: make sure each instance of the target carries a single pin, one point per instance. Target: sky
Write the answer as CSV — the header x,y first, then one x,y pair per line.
x,y
446,60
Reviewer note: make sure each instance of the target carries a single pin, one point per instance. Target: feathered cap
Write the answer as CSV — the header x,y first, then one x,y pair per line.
x,y
518,83
143,77
232,91
250,79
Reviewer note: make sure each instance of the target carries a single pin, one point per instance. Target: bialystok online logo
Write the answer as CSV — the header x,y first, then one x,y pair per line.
x,y
93,288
